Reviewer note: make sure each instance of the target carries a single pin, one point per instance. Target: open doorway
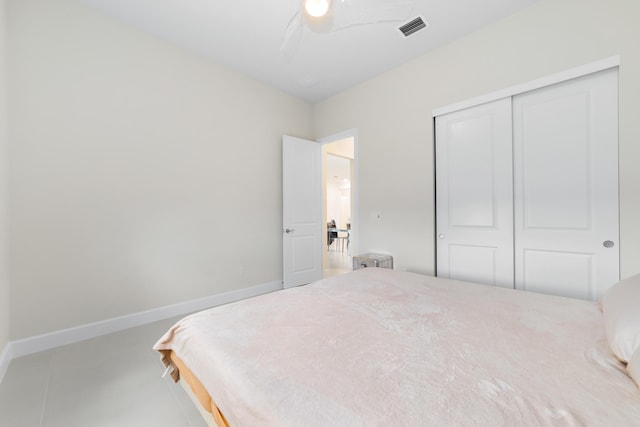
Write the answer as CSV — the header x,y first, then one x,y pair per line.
x,y
339,205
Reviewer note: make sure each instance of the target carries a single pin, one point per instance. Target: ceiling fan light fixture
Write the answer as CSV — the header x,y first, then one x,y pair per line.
x,y
316,8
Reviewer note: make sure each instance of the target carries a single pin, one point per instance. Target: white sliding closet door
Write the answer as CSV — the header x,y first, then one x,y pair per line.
x,y
474,194
566,187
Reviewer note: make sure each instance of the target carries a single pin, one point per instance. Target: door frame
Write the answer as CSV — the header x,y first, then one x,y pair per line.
x,y
349,133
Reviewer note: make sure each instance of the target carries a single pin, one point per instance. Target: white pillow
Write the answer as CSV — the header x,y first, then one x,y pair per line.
x,y
621,310
633,367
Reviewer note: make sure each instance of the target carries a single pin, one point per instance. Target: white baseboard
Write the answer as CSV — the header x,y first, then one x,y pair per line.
x,y
43,342
5,358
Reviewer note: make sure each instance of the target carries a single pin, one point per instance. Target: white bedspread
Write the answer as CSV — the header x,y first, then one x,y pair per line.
x,y
379,347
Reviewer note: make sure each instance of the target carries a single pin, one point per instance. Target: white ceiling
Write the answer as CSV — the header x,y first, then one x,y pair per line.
x,y
246,36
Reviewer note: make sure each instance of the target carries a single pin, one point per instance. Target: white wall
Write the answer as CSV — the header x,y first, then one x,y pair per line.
x,y
393,115
342,147
338,204
141,176
338,159
4,277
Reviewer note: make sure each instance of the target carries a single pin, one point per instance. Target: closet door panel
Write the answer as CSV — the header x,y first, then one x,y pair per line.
x,y
566,187
471,186
566,274
473,263
555,165
474,212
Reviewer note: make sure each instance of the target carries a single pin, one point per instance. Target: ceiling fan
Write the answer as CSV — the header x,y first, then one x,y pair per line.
x,y
333,15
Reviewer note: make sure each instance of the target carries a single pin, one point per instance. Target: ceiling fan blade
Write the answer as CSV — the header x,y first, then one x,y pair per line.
x,y
349,13
292,36
344,14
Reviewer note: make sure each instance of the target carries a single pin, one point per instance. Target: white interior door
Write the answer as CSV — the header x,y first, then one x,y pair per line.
x,y
474,208
302,211
566,187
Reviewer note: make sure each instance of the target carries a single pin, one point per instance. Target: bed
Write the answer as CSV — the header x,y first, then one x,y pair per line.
x,y
380,347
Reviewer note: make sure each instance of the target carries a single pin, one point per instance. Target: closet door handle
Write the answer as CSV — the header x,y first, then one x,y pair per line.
x,y
608,244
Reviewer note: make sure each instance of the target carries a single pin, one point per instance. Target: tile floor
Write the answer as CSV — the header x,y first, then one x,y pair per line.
x,y
113,380
336,263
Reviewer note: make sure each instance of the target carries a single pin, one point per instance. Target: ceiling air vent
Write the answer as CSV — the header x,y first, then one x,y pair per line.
x,y
412,26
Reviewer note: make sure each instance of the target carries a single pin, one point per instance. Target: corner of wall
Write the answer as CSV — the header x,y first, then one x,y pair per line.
x,y
5,358
5,350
